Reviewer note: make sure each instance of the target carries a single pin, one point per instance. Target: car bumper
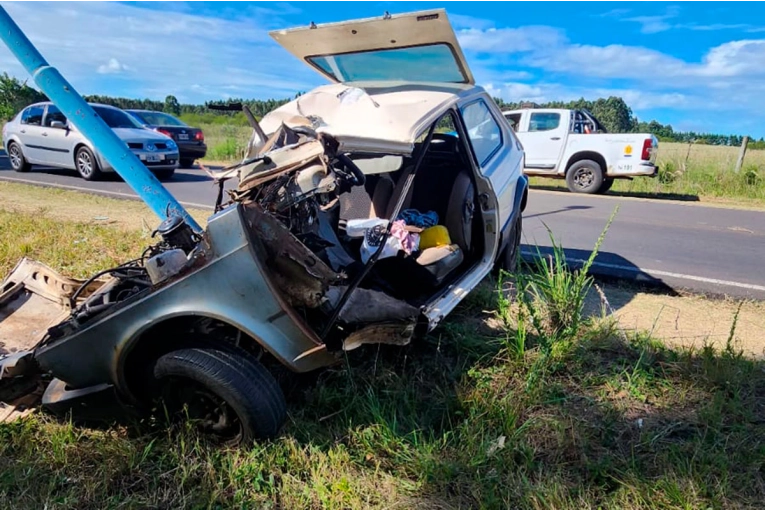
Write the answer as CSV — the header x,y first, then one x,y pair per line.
x,y
195,151
152,160
630,168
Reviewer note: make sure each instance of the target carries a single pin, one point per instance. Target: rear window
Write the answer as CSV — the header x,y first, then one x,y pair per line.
x,y
158,119
428,63
33,116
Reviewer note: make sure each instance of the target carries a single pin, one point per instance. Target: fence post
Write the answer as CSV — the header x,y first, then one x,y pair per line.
x,y
741,154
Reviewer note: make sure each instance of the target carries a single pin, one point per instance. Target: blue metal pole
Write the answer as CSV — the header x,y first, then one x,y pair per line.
x,y
85,119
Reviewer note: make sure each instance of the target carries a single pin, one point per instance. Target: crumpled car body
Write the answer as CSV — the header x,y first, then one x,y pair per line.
x,y
365,211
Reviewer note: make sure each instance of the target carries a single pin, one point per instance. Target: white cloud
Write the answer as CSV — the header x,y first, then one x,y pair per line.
x,y
168,54
112,67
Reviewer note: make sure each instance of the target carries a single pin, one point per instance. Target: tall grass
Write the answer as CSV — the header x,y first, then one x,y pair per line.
x,y
530,413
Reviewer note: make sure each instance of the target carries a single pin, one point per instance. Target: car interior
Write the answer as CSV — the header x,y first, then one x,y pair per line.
x,y
444,184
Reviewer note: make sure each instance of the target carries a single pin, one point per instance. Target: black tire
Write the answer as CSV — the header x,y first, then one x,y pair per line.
x,y
187,162
165,174
18,162
223,383
509,259
87,165
607,183
585,176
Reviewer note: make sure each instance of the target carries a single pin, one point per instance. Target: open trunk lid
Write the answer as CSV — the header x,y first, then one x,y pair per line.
x,y
412,47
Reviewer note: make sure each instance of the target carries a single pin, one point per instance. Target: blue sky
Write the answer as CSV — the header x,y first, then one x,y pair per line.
x,y
697,66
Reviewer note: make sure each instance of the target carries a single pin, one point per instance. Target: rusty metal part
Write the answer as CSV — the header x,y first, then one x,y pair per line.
x,y
297,271
36,298
366,306
390,334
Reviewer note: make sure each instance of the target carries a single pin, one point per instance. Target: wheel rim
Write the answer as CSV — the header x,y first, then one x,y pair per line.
x,y
15,156
84,164
208,412
584,177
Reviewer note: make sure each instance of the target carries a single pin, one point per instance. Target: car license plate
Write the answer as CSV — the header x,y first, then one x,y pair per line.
x,y
153,158
183,136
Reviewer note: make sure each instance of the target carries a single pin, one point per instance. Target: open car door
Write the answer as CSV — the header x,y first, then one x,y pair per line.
x,y
412,47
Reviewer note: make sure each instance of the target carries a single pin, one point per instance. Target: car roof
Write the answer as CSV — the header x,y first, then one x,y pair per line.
x,y
386,114
43,103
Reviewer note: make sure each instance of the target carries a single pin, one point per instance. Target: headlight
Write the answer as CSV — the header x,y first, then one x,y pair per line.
x,y
171,145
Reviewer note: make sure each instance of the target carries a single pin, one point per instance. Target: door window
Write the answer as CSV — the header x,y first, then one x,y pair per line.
x,y
514,119
54,114
32,116
544,121
483,130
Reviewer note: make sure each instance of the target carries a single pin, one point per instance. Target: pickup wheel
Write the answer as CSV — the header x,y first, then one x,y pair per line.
x,y
229,395
585,176
607,183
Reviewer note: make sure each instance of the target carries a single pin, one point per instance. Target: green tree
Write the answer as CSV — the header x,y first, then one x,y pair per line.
x,y
172,106
15,95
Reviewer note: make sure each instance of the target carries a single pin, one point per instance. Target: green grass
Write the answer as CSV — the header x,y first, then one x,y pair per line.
x,y
503,406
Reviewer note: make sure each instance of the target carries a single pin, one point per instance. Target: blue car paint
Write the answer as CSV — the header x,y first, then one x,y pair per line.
x,y
80,113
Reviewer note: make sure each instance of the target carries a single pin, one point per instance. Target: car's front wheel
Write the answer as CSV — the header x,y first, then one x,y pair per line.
x,y
18,162
86,164
187,162
225,391
585,176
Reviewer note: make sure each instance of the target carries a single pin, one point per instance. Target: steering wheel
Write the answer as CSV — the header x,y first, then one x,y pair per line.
x,y
351,172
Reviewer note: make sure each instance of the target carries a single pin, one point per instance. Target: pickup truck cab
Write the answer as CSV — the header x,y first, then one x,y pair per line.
x,y
572,144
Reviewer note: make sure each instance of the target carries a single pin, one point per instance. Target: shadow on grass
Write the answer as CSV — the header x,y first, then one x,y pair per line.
x,y
634,194
449,421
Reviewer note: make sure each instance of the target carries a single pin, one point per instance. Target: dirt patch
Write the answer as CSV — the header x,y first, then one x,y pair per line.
x,y
688,320
82,207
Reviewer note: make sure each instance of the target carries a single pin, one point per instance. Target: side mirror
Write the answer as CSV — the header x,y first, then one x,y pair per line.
x,y
58,124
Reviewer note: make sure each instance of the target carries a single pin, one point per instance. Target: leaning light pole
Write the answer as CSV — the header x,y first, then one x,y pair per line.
x,y
85,119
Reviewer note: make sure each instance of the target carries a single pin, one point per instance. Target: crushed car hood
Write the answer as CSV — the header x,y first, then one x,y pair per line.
x,y
418,46
379,117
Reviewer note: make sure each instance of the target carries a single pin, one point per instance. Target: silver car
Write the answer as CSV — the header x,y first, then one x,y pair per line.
x,y
41,135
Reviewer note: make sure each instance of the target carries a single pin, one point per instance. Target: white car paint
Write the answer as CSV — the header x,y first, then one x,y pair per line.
x,y
553,139
389,113
44,144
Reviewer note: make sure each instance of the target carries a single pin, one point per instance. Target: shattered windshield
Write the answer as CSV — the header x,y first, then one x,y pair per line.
x,y
430,63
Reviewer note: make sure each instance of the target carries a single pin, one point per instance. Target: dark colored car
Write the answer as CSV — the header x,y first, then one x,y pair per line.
x,y
190,140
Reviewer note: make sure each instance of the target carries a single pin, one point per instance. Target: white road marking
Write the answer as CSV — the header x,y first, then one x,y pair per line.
x,y
668,274
91,190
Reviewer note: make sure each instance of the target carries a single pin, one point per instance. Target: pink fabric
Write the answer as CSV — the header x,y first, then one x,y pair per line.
x,y
410,241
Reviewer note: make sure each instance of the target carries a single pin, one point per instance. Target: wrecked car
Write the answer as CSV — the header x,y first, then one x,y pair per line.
x,y
365,211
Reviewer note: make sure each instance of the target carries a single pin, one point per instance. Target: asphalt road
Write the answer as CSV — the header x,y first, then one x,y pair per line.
x,y
670,244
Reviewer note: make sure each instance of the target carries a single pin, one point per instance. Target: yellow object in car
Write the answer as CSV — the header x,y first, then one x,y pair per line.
x,y
435,236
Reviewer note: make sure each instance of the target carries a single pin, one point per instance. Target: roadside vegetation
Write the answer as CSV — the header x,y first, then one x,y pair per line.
x,y
522,399
686,172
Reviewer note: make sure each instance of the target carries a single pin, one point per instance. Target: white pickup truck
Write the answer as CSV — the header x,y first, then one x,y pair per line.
x,y
572,144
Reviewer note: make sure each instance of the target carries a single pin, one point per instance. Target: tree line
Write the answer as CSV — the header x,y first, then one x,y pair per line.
x,y
613,112
617,117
